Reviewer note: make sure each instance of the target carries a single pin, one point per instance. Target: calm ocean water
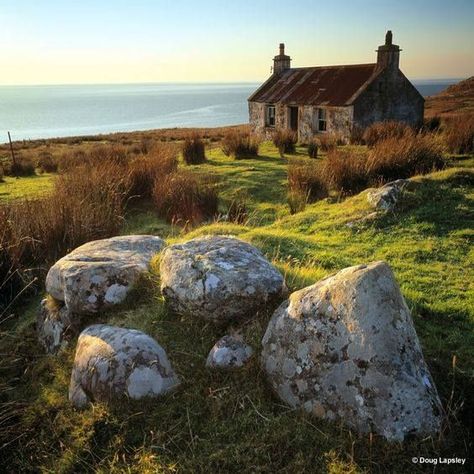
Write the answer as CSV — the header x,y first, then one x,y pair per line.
x,y
67,110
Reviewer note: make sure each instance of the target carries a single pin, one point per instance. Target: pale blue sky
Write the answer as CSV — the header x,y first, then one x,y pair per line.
x,y
96,41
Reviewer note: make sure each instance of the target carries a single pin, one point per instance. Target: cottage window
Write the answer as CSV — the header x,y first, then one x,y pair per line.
x,y
270,116
322,120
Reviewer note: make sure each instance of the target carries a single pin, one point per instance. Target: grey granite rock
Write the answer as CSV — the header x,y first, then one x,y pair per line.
x,y
93,277
387,197
345,349
115,363
218,278
229,352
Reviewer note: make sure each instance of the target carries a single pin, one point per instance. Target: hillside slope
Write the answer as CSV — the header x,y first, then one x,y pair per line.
x,y
457,99
231,422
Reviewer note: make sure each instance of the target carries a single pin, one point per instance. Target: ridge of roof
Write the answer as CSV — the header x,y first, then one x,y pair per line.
x,y
337,85
333,66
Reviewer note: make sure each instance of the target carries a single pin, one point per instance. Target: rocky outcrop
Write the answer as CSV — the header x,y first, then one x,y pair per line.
x,y
93,277
387,197
112,363
218,278
345,349
229,352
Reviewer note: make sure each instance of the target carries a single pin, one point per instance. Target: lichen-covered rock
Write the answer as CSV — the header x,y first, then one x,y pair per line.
x,y
345,349
113,363
386,198
55,324
100,273
218,278
229,352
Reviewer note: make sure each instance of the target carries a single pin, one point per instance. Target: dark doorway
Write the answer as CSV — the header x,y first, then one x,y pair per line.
x,y
294,118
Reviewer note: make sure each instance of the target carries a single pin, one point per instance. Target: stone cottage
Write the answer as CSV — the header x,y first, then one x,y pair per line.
x,y
338,99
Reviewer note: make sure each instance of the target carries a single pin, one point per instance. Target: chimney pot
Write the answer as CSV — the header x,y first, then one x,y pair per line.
x,y
388,38
282,49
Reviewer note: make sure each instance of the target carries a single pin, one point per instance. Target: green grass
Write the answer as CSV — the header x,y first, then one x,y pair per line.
x,y
231,422
25,187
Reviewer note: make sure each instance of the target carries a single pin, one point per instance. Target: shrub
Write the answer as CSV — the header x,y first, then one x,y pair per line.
x,y
184,197
379,131
240,144
85,205
21,167
431,124
285,140
144,170
396,158
327,141
93,156
193,150
357,136
1,173
306,180
46,163
313,149
459,134
345,172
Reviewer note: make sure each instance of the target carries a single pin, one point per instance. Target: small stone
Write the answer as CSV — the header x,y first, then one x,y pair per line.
x,y
387,197
229,352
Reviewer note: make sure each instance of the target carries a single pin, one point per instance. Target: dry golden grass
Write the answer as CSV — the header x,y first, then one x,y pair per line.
x,y
383,130
240,144
193,149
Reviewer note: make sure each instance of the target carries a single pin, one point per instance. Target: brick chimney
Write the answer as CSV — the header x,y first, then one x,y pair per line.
x,y
388,54
281,62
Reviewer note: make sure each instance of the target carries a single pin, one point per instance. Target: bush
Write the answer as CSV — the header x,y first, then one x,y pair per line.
x,y
240,144
1,174
306,181
431,124
46,163
459,134
313,149
94,156
357,136
285,140
345,172
146,169
396,158
327,141
184,197
379,131
21,167
193,150
85,205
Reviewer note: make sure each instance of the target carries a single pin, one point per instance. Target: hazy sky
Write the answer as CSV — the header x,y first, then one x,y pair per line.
x,y
97,41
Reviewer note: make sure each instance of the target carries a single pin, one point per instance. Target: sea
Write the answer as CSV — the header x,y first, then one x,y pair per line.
x,y
47,111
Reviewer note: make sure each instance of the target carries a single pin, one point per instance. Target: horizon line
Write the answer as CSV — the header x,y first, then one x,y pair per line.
x,y
46,84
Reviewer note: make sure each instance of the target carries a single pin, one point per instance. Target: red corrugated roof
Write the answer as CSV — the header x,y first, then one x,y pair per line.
x,y
327,85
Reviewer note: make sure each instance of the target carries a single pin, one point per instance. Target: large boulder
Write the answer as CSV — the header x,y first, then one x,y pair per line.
x,y
91,278
387,197
229,352
218,278
345,349
100,273
114,363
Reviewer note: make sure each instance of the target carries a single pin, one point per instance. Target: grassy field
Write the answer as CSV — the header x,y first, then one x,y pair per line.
x,y
231,422
25,187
